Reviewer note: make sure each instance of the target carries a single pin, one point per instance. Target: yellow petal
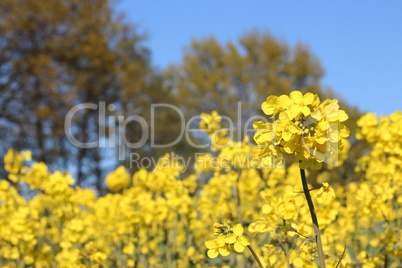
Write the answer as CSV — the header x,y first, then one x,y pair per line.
x,y
296,96
238,229
290,147
293,111
263,136
238,247
268,107
321,140
224,251
210,244
316,165
298,262
308,98
221,240
266,209
334,136
212,253
259,125
293,128
342,116
283,102
344,132
305,110
230,239
286,135
252,227
244,240
317,115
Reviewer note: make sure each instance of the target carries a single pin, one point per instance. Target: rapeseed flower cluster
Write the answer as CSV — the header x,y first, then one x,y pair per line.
x,y
304,126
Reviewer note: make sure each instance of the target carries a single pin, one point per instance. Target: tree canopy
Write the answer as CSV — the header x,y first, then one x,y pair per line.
x,y
56,54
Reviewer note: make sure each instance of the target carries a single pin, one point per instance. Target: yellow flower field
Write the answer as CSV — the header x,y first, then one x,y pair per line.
x,y
230,212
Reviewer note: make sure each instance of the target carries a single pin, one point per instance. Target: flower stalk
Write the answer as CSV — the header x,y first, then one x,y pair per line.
x,y
255,256
314,219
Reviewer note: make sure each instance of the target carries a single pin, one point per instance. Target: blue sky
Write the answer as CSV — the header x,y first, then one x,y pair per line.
x,y
359,43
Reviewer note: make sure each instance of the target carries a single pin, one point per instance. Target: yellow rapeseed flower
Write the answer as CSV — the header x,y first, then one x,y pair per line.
x,y
239,241
217,246
326,192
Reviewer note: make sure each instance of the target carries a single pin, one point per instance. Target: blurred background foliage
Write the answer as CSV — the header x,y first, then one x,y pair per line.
x,y
55,54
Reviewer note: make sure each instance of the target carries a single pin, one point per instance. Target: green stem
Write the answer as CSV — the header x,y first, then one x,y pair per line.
x,y
255,256
316,227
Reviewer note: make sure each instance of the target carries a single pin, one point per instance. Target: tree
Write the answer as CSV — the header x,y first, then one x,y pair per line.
x,y
55,54
213,76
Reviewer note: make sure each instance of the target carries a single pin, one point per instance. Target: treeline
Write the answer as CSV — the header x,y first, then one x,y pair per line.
x,y
57,54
